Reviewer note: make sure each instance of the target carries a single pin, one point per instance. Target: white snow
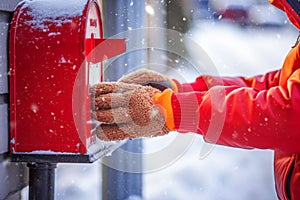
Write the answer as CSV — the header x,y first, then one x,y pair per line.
x,y
13,141
45,11
47,152
34,108
150,10
54,34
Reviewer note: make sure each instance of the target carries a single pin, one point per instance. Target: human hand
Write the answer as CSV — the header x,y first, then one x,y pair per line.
x,y
126,111
150,78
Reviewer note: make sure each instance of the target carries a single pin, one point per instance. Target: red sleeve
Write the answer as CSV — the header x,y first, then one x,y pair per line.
x,y
243,117
205,82
253,115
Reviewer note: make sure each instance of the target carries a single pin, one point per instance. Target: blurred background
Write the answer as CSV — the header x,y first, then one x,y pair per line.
x,y
239,38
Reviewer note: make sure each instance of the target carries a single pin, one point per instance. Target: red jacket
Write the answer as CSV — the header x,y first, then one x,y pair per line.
x,y
258,112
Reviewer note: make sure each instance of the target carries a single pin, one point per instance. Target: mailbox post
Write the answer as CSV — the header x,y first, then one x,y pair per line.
x,y
56,49
122,16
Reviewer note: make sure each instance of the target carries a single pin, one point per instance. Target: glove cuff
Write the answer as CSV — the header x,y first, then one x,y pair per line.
x,y
163,101
186,108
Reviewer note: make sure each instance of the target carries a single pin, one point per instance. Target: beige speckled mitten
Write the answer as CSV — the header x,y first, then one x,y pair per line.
x,y
126,111
142,76
149,77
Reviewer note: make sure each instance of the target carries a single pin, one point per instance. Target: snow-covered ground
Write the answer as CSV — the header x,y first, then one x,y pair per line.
x,y
225,173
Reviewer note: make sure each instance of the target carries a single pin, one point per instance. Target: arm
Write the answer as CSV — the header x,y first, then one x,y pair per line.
x,y
253,115
205,82
243,117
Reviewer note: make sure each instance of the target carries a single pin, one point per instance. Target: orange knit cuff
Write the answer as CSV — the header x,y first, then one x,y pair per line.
x,y
163,101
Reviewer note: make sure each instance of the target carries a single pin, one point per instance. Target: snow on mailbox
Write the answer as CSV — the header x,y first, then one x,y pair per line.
x,y
53,62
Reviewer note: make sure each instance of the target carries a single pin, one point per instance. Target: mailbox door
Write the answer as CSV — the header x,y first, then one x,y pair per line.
x,y
89,74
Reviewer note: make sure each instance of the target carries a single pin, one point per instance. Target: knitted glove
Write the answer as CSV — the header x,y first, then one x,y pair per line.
x,y
126,111
150,78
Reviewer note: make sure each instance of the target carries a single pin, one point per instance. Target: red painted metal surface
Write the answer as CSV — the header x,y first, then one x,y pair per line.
x,y
98,50
50,75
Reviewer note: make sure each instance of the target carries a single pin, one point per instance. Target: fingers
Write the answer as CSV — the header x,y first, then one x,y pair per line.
x,y
142,76
111,87
109,95
111,100
117,115
114,132
136,106
126,111
111,132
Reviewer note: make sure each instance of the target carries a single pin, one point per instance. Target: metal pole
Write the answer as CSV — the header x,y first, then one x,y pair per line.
x,y
120,16
41,181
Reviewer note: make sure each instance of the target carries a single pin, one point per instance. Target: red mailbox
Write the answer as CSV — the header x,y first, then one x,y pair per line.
x,y
53,62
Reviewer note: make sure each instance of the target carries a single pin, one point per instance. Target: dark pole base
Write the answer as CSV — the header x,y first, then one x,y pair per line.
x,y
41,181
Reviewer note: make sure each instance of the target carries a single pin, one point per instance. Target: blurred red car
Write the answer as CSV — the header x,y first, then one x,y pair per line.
x,y
247,12
237,14
236,11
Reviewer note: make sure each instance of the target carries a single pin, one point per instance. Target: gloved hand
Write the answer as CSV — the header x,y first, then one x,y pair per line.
x,y
126,111
150,78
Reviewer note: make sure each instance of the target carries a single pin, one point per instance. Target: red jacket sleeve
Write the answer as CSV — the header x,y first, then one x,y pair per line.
x,y
261,112
205,82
